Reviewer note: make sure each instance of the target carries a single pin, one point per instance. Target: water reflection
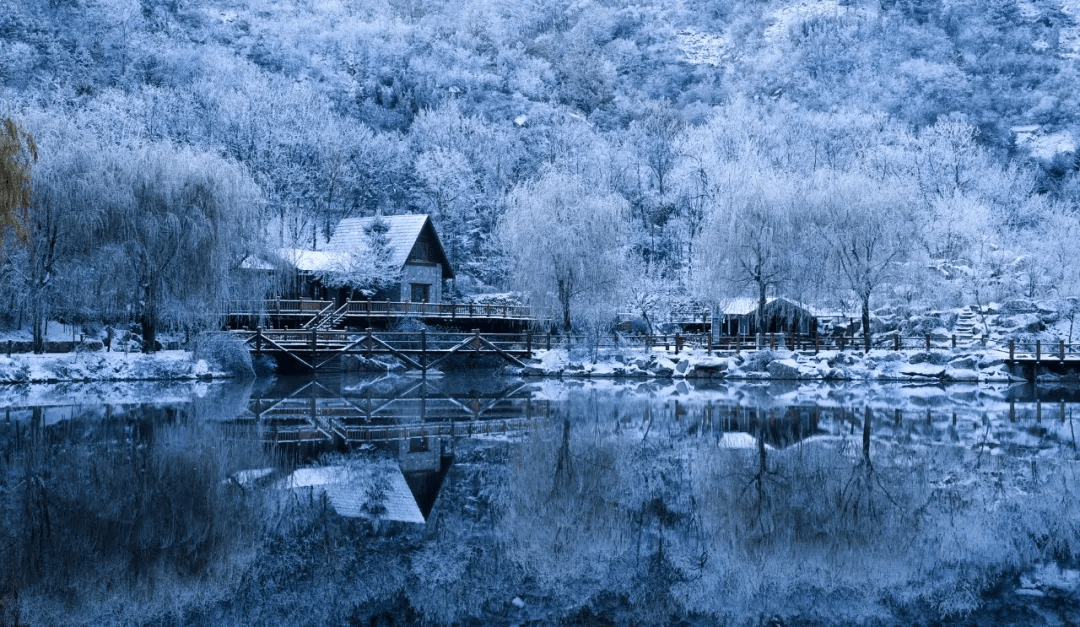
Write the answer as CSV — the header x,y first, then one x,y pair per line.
x,y
479,499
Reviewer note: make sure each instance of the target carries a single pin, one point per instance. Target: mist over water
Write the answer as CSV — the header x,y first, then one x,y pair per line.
x,y
480,500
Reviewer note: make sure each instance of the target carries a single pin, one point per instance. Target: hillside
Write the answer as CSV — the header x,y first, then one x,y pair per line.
x,y
946,130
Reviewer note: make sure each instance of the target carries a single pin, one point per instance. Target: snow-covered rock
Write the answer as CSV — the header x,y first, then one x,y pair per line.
x,y
784,369
924,370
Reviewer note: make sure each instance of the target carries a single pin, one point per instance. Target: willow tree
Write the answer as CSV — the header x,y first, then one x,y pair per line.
x,y
18,152
752,240
867,233
180,220
566,241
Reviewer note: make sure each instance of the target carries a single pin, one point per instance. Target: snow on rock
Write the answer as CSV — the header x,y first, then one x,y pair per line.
x,y
925,370
972,364
56,367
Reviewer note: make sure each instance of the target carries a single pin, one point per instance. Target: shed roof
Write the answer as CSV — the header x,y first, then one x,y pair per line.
x,y
747,306
316,260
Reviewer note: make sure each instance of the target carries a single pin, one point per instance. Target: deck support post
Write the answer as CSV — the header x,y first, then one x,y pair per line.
x,y
927,341
678,343
1038,350
896,342
1061,350
423,352
528,344
1012,350
258,342
314,348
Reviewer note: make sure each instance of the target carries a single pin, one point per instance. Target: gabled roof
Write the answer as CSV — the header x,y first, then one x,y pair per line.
x,y
350,490
351,237
747,306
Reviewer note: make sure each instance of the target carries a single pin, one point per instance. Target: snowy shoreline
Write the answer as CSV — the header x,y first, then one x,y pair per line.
x,y
81,366
952,365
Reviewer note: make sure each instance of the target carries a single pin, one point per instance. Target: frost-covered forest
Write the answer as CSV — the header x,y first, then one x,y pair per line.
x,y
595,155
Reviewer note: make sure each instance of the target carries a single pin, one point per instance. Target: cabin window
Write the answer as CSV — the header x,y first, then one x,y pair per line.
x,y
421,292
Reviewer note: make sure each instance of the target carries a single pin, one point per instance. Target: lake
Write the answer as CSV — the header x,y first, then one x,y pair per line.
x,y
475,499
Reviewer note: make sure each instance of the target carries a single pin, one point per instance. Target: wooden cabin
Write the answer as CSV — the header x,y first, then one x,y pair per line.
x,y
406,247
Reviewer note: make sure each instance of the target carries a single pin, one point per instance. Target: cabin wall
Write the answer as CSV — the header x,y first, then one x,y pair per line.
x,y
425,274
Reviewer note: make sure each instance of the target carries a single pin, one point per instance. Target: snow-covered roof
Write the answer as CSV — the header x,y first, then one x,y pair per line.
x,y
316,260
742,306
402,231
747,306
350,489
351,235
251,262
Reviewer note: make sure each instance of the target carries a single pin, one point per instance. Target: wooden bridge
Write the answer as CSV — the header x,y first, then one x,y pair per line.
x,y
329,315
315,349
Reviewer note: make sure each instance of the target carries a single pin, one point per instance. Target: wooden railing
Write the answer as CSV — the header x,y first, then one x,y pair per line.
x,y
383,308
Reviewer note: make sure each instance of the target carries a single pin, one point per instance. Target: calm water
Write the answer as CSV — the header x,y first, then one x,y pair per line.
x,y
483,500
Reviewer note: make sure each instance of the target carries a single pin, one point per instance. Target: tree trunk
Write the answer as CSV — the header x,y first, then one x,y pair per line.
x,y
564,300
38,329
148,320
761,315
866,322
149,331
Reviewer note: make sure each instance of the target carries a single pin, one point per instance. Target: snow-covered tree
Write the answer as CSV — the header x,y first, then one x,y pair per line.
x,y
566,243
867,233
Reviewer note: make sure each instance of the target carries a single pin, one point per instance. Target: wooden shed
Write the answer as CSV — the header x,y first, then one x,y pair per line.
x,y
738,318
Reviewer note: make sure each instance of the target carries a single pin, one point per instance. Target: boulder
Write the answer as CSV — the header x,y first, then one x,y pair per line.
x,y
964,363
961,374
937,358
924,370
681,367
784,369
1018,306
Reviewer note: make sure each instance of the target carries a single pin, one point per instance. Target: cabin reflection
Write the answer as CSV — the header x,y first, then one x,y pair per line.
x,y
415,420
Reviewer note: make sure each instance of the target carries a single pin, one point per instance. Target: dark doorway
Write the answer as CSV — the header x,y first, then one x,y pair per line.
x,y
420,292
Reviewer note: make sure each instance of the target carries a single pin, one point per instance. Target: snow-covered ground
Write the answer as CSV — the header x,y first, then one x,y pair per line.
x,y
105,366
